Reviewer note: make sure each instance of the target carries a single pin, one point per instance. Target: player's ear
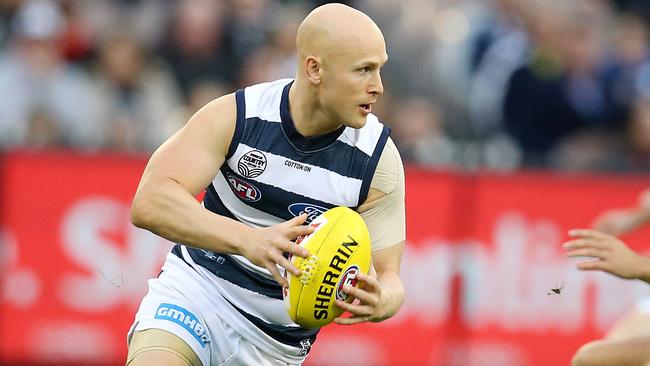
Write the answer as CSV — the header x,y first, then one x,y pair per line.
x,y
313,69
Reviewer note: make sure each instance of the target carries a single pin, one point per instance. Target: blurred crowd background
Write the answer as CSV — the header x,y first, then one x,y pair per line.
x,y
470,84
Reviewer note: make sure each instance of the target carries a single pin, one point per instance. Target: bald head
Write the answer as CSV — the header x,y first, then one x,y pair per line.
x,y
335,28
340,54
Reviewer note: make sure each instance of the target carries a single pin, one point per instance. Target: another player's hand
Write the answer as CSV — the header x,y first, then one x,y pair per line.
x,y
610,254
367,305
267,246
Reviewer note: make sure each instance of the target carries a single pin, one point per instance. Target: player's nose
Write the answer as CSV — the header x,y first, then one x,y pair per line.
x,y
376,86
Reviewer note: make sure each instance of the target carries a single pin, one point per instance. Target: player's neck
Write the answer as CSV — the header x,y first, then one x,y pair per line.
x,y
308,116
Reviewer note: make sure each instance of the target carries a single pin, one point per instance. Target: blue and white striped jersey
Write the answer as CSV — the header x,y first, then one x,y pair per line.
x,y
272,174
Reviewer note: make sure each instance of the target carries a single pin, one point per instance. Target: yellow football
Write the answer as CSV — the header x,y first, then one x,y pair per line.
x,y
339,248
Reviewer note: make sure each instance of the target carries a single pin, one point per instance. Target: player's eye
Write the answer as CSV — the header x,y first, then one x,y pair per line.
x,y
364,70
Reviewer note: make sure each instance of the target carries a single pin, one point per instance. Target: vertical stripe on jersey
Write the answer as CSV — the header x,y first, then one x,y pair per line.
x,y
239,127
372,165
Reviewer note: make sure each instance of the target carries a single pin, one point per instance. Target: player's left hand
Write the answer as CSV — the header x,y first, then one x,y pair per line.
x,y
608,252
367,305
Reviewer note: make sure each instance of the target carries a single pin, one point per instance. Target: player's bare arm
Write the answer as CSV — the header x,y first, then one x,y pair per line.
x,y
180,169
609,254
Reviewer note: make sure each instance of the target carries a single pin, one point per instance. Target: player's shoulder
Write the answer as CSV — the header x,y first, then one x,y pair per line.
x,y
389,174
391,156
217,118
390,159
264,87
263,100
219,109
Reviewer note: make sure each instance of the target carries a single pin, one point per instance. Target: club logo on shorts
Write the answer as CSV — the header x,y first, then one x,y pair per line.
x,y
185,319
349,277
244,190
312,211
252,164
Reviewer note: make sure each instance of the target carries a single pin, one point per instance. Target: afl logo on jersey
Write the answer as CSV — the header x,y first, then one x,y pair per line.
x,y
244,190
252,164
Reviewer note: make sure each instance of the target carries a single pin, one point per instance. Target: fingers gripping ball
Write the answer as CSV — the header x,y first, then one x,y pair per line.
x,y
339,248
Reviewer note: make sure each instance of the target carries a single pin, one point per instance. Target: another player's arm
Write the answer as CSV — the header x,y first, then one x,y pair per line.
x,y
623,220
383,292
180,169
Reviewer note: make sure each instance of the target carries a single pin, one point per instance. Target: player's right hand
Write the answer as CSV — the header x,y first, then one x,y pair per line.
x,y
267,246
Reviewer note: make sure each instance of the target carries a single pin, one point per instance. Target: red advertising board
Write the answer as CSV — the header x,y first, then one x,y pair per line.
x,y
76,269
483,251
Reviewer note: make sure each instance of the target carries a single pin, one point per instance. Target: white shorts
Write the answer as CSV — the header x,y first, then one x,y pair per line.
x,y
183,312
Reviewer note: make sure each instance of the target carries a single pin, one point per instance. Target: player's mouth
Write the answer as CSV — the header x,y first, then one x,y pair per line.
x,y
366,108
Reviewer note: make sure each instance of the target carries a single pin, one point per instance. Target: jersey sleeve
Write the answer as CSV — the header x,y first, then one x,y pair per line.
x,y
385,216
